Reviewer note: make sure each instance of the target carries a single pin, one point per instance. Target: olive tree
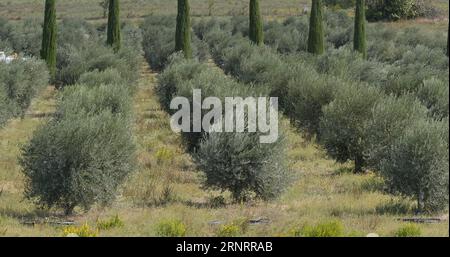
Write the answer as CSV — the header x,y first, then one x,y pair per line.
x,y
390,117
77,161
344,123
238,163
416,165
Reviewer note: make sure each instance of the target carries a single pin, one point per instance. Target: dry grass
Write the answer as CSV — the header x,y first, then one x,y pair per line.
x,y
166,186
135,9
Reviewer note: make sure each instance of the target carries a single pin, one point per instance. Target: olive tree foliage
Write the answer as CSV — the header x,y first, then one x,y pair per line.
x,y
20,82
417,164
232,162
344,123
390,116
81,156
399,9
238,163
77,161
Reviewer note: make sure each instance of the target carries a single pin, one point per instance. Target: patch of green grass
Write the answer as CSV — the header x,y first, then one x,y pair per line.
x,y
81,231
230,230
114,222
171,228
332,228
408,230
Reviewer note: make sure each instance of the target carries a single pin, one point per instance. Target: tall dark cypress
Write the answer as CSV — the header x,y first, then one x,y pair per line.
x,y
359,39
316,33
183,30
48,49
113,34
256,24
448,34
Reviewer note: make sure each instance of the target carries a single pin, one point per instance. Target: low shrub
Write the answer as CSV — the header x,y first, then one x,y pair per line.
x,y
395,207
228,231
81,231
409,230
325,229
114,222
164,155
171,228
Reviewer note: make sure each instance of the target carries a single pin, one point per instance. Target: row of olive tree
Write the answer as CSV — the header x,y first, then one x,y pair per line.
x,y
86,151
316,43
232,162
49,35
394,135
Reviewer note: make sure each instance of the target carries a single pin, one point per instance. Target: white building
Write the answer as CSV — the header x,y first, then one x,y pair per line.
x,y
7,59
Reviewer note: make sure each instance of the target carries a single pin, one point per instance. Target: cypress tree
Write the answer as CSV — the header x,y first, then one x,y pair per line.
x,y
183,30
316,33
113,34
48,50
359,39
256,25
448,34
